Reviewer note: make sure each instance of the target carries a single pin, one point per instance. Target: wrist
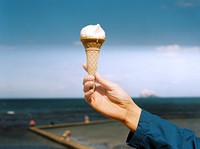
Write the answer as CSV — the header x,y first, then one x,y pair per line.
x,y
132,117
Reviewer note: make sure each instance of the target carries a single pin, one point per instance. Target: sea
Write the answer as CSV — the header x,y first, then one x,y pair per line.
x,y
16,114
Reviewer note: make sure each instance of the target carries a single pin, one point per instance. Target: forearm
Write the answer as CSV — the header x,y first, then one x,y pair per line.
x,y
132,117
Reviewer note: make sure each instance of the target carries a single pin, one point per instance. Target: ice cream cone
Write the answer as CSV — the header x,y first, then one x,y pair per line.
x,y
92,49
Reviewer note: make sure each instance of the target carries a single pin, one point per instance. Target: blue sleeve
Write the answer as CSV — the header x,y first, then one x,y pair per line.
x,y
154,132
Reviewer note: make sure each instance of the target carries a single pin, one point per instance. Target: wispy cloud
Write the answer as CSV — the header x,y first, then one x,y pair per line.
x,y
180,4
77,43
5,47
30,41
175,48
169,48
187,3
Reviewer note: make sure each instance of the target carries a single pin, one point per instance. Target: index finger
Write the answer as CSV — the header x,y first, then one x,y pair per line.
x,y
85,67
88,78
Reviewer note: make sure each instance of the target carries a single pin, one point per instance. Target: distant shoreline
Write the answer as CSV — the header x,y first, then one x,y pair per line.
x,y
78,98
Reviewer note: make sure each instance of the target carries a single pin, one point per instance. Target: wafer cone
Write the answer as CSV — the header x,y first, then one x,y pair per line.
x,y
92,49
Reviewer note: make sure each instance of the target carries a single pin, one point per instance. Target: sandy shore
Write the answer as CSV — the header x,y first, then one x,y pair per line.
x,y
110,135
100,136
113,135
19,137
189,123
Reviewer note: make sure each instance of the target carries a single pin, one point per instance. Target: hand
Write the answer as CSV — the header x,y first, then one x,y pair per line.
x,y
111,100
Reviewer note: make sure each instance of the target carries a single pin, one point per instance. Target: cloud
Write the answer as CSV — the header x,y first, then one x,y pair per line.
x,y
177,48
77,43
169,48
194,49
5,47
30,41
187,3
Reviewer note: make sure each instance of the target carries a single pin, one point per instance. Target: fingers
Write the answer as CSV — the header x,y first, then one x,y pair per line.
x,y
97,78
105,83
88,83
88,78
88,86
88,95
85,67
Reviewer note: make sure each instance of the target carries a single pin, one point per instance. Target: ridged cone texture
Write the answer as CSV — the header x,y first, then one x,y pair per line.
x,y
92,48
92,55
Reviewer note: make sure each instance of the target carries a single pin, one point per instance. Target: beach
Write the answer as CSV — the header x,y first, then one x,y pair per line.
x,y
109,135
22,138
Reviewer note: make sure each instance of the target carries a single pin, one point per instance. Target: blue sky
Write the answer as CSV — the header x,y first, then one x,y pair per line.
x,y
151,46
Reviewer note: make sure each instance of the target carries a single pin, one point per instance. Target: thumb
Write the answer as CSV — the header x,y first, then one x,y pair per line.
x,y
105,83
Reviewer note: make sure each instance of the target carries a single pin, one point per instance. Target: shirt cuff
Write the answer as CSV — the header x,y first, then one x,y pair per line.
x,y
155,132
135,138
